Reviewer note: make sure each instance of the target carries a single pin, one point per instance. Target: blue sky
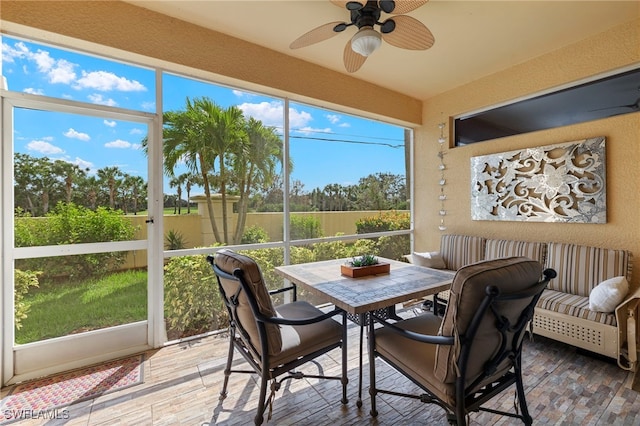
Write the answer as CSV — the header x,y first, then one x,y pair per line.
x,y
324,143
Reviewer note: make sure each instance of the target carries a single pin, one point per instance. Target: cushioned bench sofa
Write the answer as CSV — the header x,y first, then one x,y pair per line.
x,y
563,312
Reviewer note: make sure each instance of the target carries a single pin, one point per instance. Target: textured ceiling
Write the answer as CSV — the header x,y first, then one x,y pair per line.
x,y
473,38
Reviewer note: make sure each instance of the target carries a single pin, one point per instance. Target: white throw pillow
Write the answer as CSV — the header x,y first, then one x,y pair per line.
x,y
607,295
431,259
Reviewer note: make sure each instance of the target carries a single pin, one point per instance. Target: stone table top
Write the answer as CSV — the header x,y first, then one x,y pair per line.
x,y
365,294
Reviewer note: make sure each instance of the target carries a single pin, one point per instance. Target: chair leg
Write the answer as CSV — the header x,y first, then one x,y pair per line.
x,y
526,417
344,380
372,370
261,400
460,416
227,369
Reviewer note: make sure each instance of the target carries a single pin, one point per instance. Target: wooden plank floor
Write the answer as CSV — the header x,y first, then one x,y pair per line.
x,y
182,383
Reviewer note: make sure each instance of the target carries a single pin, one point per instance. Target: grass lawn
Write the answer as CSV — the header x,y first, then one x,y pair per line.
x,y
66,308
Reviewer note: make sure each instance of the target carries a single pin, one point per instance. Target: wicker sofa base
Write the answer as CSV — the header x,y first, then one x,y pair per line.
x,y
578,332
618,342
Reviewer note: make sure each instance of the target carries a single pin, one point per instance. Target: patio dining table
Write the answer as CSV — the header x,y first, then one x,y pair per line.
x,y
361,296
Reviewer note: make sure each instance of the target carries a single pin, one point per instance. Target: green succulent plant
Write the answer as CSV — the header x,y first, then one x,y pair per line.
x,y
364,260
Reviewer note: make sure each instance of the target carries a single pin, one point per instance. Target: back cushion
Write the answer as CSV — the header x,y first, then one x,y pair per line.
x,y
460,250
495,249
581,268
228,261
467,291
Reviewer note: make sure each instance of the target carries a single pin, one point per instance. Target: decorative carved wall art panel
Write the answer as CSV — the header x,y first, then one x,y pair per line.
x,y
555,183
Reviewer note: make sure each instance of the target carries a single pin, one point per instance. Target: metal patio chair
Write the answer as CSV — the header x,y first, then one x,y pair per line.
x,y
273,340
473,353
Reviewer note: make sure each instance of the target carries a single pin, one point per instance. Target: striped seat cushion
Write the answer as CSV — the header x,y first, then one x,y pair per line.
x,y
576,306
581,268
496,249
461,250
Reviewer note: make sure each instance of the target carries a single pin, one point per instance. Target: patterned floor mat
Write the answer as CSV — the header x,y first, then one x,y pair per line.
x,y
39,396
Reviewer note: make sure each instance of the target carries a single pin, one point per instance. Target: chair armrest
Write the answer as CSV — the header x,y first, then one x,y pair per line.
x,y
626,319
292,288
301,321
425,338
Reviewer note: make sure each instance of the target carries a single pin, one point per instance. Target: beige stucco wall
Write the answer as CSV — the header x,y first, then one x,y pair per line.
x,y
613,49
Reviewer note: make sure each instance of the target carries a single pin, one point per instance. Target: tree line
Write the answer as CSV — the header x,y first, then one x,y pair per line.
x,y
40,183
224,152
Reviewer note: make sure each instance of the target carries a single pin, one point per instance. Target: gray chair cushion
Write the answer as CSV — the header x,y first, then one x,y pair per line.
x,y
228,261
302,340
433,366
467,291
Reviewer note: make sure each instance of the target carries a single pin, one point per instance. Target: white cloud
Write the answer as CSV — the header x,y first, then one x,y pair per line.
x,y
97,98
333,118
83,164
241,94
110,123
74,134
136,146
344,125
298,119
106,81
149,106
9,53
44,147
33,91
136,132
118,143
270,113
57,71
43,61
308,130
62,72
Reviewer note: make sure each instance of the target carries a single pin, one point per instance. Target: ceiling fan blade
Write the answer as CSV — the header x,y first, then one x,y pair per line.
x,y
316,35
343,4
406,6
352,60
409,33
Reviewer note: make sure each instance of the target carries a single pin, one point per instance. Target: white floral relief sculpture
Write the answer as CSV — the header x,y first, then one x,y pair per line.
x,y
554,183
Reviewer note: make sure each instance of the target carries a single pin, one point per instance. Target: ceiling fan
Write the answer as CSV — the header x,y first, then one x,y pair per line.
x,y
398,30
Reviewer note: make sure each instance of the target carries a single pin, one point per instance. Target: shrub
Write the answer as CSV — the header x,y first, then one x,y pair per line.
x,y
72,224
23,280
305,227
338,249
254,234
385,221
192,302
393,247
174,240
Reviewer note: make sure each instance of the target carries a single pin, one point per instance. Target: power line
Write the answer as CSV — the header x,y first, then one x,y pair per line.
x,y
347,141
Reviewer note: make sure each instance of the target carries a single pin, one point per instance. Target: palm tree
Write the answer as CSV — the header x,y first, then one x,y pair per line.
x,y
91,185
177,182
108,176
134,187
186,140
188,179
227,131
255,166
71,173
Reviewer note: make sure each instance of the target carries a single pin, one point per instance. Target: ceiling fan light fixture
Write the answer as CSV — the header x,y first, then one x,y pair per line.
x,y
366,41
